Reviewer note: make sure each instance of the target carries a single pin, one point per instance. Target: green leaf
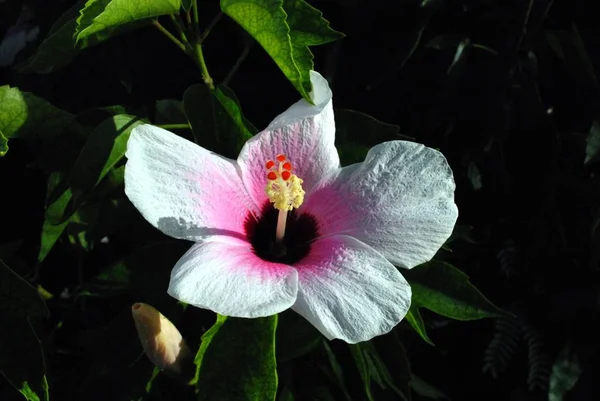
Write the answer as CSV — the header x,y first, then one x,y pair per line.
x,y
363,370
18,297
443,289
8,252
286,395
371,366
21,357
3,144
216,119
169,111
61,211
186,5
461,232
100,16
425,389
388,355
413,317
285,29
569,47
338,372
307,28
58,199
132,273
445,41
592,147
58,47
566,370
236,360
295,337
96,115
26,116
104,148
356,133
21,361
321,393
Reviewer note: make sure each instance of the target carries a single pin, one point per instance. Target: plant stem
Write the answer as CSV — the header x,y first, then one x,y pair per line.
x,y
179,28
211,26
188,17
169,35
196,19
204,70
174,126
237,64
198,49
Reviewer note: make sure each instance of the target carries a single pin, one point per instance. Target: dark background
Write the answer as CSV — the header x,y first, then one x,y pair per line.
x,y
511,115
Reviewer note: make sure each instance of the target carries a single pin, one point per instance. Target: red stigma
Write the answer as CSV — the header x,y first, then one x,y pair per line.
x,y
272,176
269,164
285,175
287,166
280,158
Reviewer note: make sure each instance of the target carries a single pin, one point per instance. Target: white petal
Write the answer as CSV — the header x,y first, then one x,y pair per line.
x,y
349,291
400,201
182,189
221,273
304,133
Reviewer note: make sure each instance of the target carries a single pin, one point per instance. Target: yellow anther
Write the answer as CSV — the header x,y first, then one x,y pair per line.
x,y
285,195
284,189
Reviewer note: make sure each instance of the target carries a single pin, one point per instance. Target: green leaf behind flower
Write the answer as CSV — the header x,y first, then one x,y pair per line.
x,y
3,145
337,373
236,360
414,318
373,367
169,111
285,29
18,297
356,133
102,17
104,148
296,337
592,147
443,289
216,119
26,116
21,359
60,47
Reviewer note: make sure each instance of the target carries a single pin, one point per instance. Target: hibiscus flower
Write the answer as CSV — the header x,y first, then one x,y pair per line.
x,y
284,226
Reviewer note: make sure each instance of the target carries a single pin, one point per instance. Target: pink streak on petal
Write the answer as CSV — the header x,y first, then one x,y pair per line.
x,y
221,273
400,201
332,209
182,189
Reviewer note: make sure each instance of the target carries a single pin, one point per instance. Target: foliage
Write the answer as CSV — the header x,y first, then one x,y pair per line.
x,y
507,91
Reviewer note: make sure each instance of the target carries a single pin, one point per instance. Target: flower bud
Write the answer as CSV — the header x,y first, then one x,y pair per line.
x,y
161,340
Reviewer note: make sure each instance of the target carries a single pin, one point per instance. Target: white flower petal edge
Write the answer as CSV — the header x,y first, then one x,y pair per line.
x,y
183,189
221,273
349,291
304,133
400,201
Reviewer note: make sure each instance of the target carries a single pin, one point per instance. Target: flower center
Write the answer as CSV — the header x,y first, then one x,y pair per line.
x,y
294,231
301,230
284,190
